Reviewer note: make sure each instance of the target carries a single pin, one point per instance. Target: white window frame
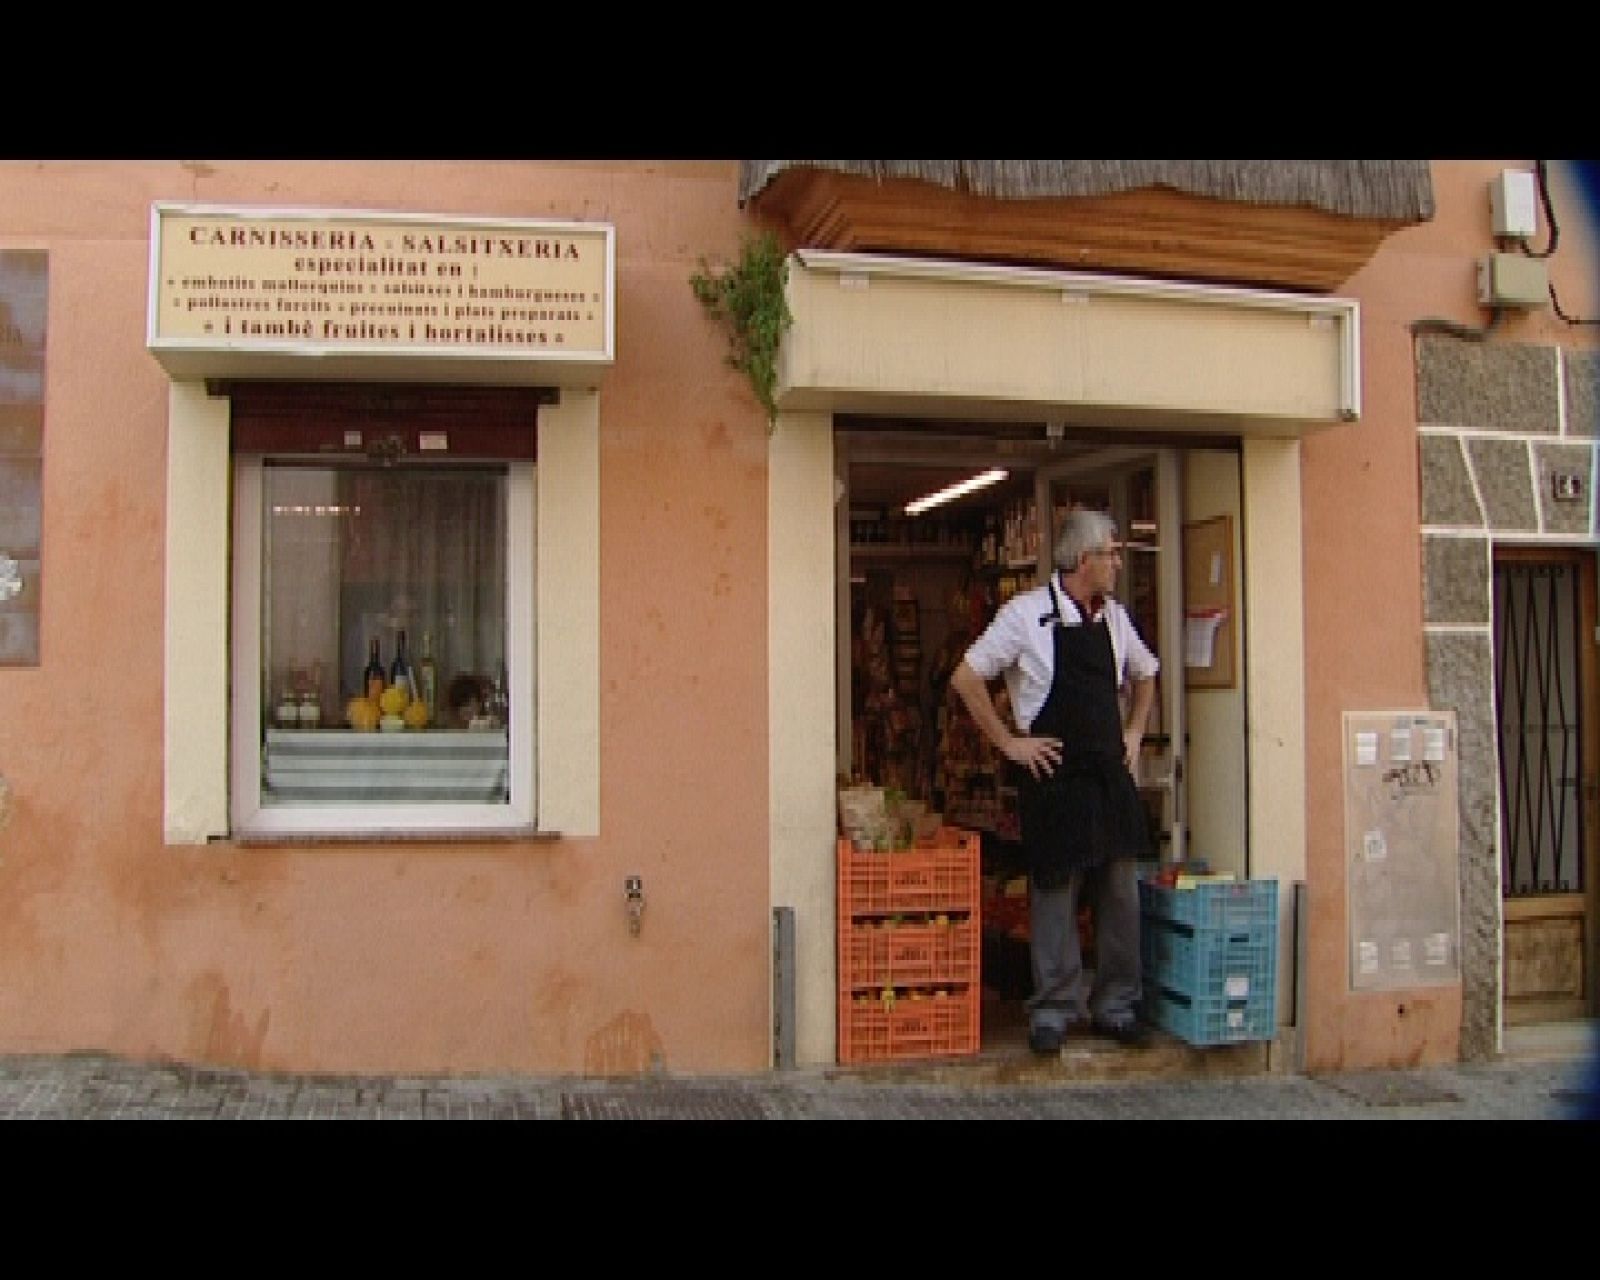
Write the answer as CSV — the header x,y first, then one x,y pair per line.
x,y
250,818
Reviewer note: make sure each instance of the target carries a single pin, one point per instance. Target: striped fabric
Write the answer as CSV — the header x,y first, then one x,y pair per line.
x,y
347,767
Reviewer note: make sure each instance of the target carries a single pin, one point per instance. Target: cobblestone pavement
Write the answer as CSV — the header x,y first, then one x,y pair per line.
x,y
93,1087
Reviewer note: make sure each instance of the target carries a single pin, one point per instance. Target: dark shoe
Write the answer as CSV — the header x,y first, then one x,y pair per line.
x,y
1045,1041
1128,1031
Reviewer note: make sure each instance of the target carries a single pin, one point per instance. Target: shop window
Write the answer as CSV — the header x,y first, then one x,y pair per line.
x,y
383,621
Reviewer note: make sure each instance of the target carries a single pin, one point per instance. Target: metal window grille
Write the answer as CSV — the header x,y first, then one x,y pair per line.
x,y
1539,713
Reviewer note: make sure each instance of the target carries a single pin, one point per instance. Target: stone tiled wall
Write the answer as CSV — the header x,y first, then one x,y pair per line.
x,y
1496,422
24,284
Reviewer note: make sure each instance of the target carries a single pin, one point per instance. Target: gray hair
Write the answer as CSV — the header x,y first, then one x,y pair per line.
x,y
1082,530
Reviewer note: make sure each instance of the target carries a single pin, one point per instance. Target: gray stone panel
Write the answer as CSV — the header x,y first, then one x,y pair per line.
x,y
1455,580
1583,392
20,480
1506,483
19,638
1564,517
1491,385
1460,670
1447,496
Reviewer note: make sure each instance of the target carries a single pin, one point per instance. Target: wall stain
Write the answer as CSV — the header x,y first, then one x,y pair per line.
x,y
627,1045
225,1036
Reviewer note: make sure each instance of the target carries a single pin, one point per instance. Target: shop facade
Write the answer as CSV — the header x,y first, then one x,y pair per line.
x,y
656,590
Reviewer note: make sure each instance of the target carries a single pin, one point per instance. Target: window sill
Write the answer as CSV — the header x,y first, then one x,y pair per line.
x,y
479,835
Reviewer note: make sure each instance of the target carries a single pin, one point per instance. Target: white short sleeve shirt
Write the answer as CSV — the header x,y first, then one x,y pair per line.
x,y
1020,645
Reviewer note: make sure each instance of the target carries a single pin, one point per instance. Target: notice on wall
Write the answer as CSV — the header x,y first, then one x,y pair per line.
x,y
24,293
370,283
1401,837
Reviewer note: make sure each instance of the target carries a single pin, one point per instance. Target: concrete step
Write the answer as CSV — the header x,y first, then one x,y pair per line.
x,y
1535,1041
1004,1058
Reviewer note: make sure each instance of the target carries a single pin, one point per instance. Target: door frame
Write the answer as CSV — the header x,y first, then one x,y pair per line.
x,y
1585,905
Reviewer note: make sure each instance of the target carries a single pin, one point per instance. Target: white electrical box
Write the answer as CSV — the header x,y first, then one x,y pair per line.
x,y
1513,197
1511,280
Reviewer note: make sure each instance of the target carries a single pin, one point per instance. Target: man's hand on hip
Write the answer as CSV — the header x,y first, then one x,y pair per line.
x,y
1039,756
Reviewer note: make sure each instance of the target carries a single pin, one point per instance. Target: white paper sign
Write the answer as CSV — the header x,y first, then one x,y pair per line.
x,y
1400,744
1374,847
1366,748
1200,638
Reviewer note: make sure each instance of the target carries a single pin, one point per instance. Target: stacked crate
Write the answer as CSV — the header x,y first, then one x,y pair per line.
x,y
1210,958
909,947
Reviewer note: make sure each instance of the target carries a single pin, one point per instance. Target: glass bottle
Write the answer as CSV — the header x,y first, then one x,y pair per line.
x,y
372,678
428,676
400,669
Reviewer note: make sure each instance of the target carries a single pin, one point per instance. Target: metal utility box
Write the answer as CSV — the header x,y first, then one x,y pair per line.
x,y
1511,280
1401,844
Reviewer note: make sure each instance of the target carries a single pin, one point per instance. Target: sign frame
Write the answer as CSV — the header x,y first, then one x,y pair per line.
x,y
186,357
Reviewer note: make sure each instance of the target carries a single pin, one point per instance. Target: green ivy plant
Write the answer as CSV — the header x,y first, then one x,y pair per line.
x,y
747,299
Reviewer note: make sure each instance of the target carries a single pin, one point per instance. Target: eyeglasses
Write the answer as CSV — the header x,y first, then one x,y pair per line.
x,y
1111,552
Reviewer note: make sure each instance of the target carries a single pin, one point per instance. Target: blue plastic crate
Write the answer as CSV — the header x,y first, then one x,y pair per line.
x,y
1205,1020
1241,904
1216,963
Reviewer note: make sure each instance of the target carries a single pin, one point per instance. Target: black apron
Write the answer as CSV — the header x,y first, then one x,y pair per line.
x,y
1088,811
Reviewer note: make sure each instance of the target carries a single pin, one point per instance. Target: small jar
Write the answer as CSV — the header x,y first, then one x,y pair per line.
x,y
310,714
287,715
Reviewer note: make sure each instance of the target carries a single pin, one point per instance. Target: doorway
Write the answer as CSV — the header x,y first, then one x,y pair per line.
x,y
916,589
1549,759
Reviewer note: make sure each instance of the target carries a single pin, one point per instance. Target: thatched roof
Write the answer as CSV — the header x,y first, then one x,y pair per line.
x,y
1383,190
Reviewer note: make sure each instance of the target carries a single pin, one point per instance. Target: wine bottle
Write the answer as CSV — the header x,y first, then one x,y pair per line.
x,y
372,678
400,669
428,676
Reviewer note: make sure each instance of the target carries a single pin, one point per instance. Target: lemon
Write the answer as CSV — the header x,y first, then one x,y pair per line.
x,y
361,713
393,700
416,715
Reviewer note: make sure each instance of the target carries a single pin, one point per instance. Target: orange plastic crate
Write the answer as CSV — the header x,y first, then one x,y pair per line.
x,y
932,1027
904,955
940,877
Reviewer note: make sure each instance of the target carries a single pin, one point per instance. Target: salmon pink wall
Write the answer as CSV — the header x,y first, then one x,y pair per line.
x,y
418,957
1363,571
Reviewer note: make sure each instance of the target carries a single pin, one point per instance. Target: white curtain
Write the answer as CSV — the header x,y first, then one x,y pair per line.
x,y
424,552
356,554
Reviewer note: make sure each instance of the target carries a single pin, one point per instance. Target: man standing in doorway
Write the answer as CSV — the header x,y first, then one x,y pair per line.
x,y
1065,649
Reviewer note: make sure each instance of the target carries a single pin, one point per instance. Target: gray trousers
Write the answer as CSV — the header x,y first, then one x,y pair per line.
x,y
1061,998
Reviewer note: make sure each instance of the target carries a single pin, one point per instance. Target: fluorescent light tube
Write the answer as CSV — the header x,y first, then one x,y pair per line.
x,y
969,485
